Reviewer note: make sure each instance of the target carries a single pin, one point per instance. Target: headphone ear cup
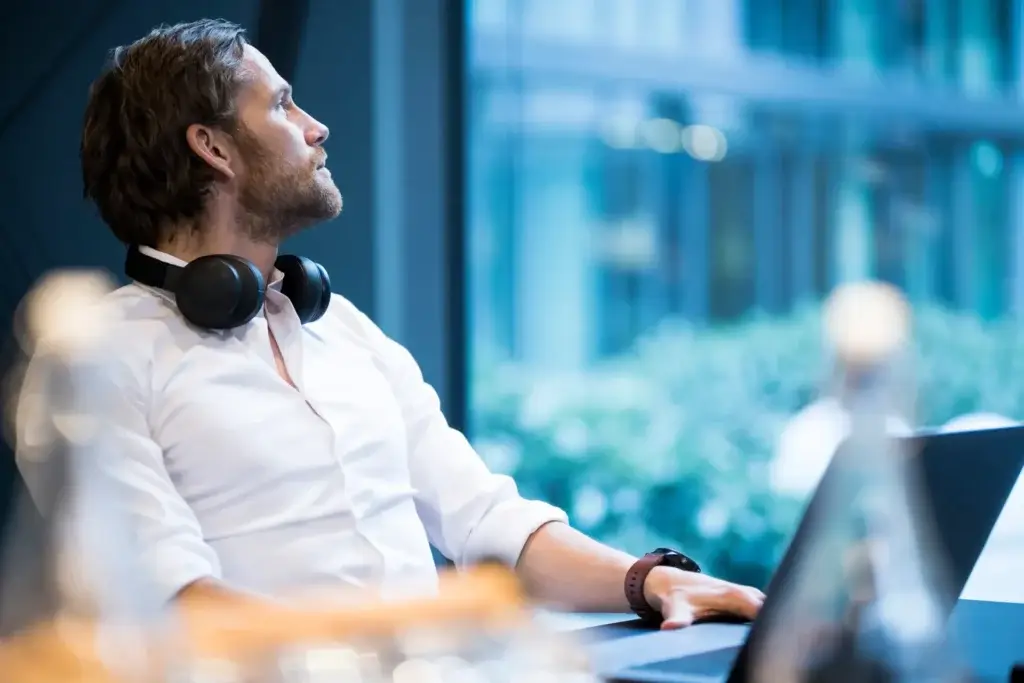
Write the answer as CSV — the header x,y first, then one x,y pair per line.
x,y
303,285
325,293
219,292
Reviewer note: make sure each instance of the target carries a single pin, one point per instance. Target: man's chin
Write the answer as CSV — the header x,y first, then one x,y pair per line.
x,y
334,206
330,197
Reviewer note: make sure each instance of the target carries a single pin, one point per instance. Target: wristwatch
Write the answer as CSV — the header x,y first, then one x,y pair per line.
x,y
637,575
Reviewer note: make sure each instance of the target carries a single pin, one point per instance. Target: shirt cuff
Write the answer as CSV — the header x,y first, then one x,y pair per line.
x,y
503,533
172,569
90,580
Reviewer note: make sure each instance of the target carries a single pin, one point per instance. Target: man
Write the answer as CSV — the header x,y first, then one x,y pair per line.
x,y
276,457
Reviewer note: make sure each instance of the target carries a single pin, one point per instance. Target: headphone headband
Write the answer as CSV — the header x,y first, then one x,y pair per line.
x,y
150,271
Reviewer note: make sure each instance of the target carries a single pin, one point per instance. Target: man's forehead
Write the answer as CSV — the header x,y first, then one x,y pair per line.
x,y
260,72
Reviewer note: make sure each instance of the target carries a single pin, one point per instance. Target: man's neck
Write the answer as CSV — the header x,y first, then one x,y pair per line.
x,y
260,254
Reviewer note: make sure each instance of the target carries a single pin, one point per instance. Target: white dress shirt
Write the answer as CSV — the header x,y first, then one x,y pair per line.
x,y
228,472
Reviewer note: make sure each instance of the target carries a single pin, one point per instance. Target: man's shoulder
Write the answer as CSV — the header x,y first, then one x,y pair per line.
x,y
344,319
134,301
120,319
141,322
128,321
348,314
137,310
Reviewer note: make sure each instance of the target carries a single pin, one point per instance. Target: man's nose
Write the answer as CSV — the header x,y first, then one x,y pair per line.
x,y
317,133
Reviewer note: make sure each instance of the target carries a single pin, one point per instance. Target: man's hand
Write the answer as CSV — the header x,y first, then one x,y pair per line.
x,y
685,597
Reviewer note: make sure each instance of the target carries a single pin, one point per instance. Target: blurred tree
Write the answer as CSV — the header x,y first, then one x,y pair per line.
x,y
671,442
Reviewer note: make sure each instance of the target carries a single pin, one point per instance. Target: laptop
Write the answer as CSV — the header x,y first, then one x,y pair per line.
x,y
965,479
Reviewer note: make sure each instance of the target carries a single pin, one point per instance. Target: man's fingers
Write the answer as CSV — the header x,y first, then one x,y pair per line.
x,y
677,613
748,602
687,604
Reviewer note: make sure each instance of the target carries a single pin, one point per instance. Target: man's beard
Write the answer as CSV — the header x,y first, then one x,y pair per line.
x,y
280,201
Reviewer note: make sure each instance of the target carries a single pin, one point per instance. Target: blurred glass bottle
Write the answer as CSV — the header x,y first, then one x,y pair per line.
x,y
865,600
84,560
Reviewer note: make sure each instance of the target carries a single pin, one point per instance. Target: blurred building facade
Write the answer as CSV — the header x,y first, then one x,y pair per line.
x,y
636,160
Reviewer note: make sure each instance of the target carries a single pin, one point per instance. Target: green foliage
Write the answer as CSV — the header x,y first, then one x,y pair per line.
x,y
670,444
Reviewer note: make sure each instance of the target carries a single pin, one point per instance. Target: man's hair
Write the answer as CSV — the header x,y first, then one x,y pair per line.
x,y
136,163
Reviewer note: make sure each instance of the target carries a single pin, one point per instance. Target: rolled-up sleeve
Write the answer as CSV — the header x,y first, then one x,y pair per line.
x,y
470,513
130,492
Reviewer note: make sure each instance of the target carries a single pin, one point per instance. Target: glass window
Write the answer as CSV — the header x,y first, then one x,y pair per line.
x,y
660,196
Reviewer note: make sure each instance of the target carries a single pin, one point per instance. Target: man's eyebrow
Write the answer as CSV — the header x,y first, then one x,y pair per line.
x,y
283,92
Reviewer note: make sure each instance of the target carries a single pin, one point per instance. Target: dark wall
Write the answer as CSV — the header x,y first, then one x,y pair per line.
x,y
50,51
45,223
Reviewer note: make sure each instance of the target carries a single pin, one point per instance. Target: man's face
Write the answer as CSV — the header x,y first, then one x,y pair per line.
x,y
284,185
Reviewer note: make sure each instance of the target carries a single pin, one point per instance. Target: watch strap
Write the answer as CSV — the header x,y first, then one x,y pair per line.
x,y
635,579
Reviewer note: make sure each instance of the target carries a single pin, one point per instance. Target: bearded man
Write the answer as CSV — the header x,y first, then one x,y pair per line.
x,y
269,437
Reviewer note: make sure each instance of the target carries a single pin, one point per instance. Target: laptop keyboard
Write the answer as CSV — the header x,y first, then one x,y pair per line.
x,y
710,663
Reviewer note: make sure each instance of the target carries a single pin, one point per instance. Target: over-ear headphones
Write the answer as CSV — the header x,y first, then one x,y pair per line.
x,y
221,292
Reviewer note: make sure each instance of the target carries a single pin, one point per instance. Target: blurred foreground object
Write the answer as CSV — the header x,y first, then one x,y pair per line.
x,y
865,602
86,611
71,560
475,629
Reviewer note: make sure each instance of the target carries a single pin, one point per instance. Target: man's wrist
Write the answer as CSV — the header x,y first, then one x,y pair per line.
x,y
652,579
657,586
640,588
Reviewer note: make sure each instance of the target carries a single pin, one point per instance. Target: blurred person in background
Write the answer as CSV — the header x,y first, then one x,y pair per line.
x,y
278,457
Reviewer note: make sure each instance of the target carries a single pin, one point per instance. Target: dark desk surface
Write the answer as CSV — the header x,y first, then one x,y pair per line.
x,y
989,634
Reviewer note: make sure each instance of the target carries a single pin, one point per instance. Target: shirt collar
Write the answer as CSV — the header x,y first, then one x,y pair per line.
x,y
276,278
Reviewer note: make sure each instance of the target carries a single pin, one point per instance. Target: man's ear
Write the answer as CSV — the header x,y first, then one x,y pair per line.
x,y
212,146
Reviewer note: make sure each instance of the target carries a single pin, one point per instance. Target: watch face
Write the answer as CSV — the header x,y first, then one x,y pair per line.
x,y
674,558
